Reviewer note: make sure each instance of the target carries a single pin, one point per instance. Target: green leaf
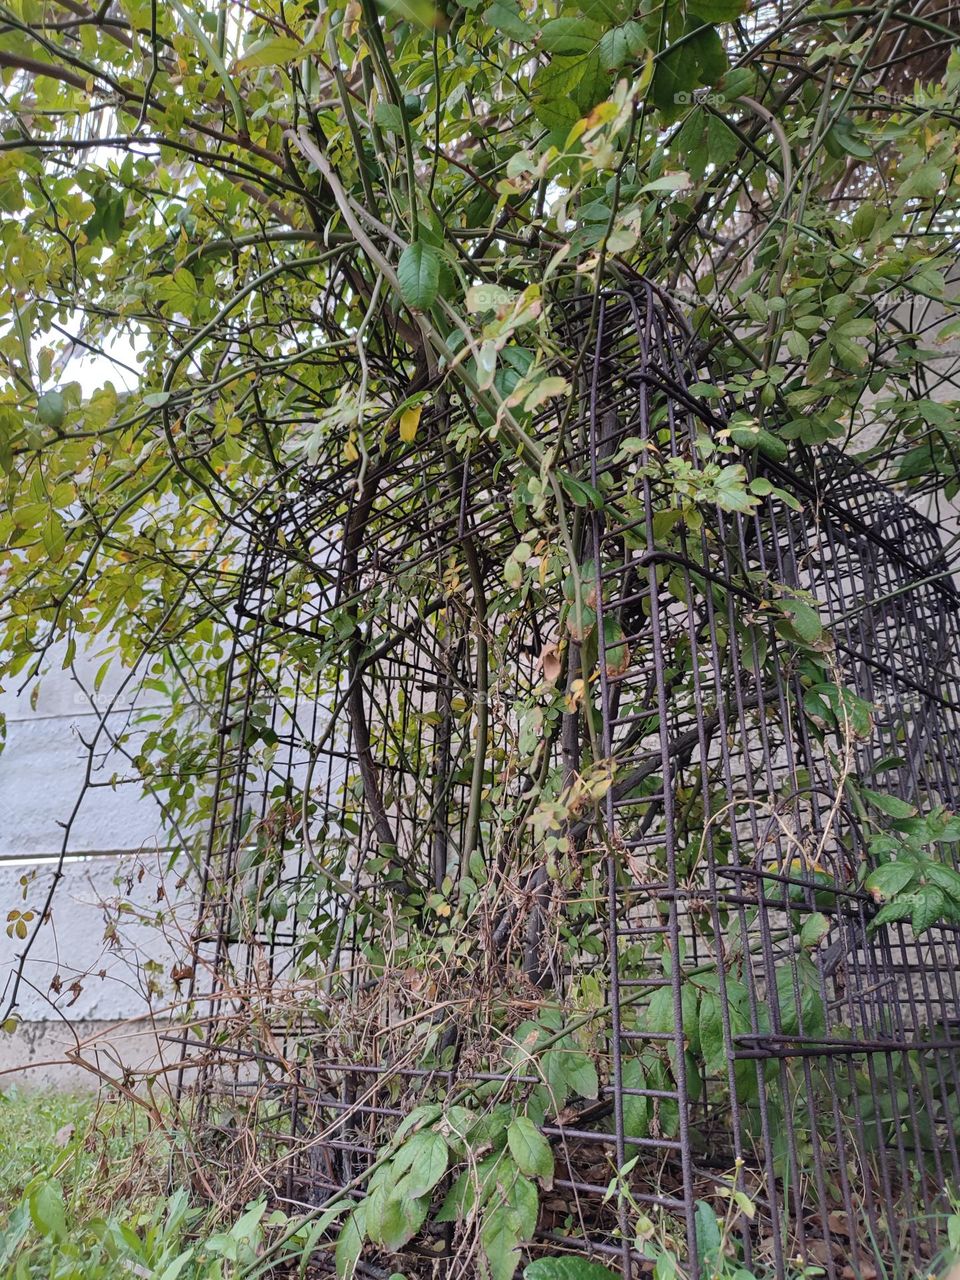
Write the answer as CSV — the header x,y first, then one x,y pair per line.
x,y
593,84
500,1235
621,45
350,1242
709,1238
738,81
616,650
864,220
666,1267
899,909
379,1190
566,1268
929,906
418,1118
814,929
890,879
53,538
425,1155
473,1186
660,1016
892,806
402,1217
708,49
858,327
845,138
47,1210
173,1269
567,88
636,1108
580,493
246,1225
674,81
52,409
718,10
522,1196
605,11
156,399
569,36
275,51
807,1016
730,489
839,707
179,292
389,116
803,620
759,438
530,1148
944,877
798,345
570,1071
107,218
419,274
712,1044
505,17
917,462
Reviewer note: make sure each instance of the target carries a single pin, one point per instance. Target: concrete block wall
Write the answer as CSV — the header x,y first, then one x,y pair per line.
x,y
99,971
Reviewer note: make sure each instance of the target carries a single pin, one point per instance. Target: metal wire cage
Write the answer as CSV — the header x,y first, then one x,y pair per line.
x,y
594,845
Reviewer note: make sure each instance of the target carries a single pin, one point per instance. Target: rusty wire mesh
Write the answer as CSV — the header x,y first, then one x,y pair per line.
x,y
377,645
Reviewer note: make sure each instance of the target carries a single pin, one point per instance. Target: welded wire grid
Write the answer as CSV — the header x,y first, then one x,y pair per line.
x,y
348,751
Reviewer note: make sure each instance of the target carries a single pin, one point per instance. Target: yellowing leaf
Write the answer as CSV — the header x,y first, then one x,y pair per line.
x,y
351,20
409,421
275,51
575,696
546,390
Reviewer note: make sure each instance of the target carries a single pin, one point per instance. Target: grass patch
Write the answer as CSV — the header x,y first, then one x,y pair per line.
x,y
84,1195
97,1150
34,1129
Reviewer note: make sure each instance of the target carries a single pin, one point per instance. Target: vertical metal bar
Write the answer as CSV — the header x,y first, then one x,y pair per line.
x,y
610,862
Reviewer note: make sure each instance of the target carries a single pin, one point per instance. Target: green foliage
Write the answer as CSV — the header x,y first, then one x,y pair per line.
x,y
496,1194
41,1130
42,1237
912,883
566,1269
80,1186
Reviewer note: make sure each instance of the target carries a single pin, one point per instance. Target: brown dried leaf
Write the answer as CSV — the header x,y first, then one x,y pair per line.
x,y
550,662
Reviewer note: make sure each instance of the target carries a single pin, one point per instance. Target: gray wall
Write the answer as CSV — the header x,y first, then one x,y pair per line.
x,y
110,941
